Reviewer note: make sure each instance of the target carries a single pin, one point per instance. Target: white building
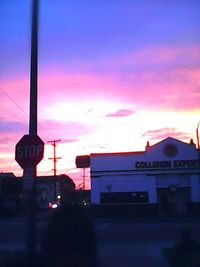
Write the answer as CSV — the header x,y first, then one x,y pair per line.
x,y
166,174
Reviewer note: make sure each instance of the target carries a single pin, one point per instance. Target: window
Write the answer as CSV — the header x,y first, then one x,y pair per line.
x,y
124,197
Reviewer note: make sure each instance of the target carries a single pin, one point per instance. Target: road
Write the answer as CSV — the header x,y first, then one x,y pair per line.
x,y
139,243
125,243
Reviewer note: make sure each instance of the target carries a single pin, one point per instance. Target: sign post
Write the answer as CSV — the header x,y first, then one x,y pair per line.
x,y
29,150
83,162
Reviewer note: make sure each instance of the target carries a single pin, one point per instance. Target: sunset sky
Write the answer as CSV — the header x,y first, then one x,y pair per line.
x,y
113,74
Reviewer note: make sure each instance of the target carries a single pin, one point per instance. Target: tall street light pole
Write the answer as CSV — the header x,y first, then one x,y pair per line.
x,y
29,150
32,172
34,70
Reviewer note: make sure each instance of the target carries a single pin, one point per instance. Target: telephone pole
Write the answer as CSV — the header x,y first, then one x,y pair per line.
x,y
197,133
54,142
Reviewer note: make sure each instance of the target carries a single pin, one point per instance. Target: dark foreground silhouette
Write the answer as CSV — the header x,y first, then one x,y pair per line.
x,y
186,252
69,239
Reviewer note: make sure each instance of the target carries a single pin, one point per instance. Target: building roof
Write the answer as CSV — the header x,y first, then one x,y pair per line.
x,y
173,140
7,174
117,153
168,139
61,177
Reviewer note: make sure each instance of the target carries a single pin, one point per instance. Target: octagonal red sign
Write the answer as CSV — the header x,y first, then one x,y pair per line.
x,y
29,151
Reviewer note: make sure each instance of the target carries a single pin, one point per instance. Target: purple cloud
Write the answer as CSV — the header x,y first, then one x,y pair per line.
x,y
121,113
12,126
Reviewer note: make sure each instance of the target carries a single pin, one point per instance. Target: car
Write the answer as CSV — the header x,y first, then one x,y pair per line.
x,y
53,205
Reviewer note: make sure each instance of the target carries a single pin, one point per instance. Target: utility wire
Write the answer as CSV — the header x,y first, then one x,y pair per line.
x,y
11,99
22,123
13,115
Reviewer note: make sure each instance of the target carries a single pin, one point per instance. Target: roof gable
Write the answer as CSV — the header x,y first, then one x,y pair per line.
x,y
171,147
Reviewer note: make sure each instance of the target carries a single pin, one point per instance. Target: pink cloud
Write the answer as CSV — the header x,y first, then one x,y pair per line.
x,y
66,131
154,77
168,56
15,87
79,86
163,133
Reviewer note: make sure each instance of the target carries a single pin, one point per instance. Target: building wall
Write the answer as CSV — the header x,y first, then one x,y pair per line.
x,y
155,168
195,187
172,179
123,183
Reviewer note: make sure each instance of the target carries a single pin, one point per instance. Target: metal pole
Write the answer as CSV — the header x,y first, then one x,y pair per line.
x,y
32,172
83,178
53,142
197,133
34,70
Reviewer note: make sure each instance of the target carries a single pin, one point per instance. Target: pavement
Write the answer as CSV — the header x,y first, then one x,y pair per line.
x,y
120,242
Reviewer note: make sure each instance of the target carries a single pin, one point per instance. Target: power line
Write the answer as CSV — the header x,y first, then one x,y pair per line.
x,y
13,101
12,114
22,123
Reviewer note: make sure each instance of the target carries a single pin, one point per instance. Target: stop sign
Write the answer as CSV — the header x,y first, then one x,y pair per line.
x,y
29,151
